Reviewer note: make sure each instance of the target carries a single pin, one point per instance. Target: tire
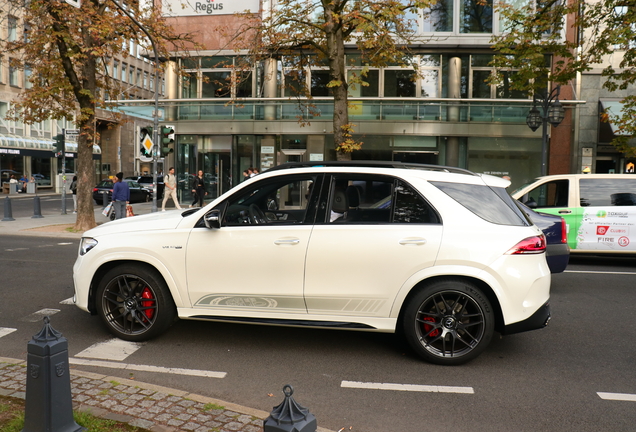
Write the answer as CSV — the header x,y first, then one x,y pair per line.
x,y
449,322
134,303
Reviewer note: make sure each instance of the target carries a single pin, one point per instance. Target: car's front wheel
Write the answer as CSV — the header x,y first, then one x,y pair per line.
x,y
134,302
449,322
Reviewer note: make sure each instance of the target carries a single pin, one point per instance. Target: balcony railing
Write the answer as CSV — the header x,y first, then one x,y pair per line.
x,y
321,109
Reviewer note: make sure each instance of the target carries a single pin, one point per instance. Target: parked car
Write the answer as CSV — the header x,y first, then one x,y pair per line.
x,y
375,246
555,230
147,182
137,192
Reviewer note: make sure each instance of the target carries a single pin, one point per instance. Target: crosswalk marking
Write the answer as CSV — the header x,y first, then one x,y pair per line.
x,y
39,315
113,349
407,387
5,331
148,368
617,396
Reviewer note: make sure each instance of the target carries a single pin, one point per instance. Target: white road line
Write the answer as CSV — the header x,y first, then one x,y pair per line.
x,y
148,368
16,249
407,387
67,301
5,331
114,349
64,244
599,272
39,315
617,396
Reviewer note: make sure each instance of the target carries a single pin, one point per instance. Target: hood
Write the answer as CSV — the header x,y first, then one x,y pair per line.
x,y
147,222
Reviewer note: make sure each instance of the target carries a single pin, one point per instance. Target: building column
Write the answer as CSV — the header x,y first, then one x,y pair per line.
x,y
454,92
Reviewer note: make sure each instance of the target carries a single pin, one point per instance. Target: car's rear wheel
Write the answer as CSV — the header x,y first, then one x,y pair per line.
x,y
135,303
449,322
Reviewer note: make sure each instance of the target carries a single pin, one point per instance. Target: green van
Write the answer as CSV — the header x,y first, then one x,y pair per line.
x,y
599,209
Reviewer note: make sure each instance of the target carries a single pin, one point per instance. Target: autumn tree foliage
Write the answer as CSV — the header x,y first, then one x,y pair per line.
x,y
320,32
604,36
66,49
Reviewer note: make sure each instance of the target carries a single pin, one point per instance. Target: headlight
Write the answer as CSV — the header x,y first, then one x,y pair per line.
x,y
87,244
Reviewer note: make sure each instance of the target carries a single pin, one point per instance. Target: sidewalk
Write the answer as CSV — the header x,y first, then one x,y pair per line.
x,y
156,408
55,225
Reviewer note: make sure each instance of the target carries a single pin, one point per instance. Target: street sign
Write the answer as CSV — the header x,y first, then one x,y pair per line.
x,y
71,134
75,3
147,143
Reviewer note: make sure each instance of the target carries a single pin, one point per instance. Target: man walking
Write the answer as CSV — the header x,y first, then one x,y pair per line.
x,y
121,196
170,182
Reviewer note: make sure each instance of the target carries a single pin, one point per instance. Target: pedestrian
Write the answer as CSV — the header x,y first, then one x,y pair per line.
x,y
170,191
246,174
74,190
24,180
199,190
121,196
252,171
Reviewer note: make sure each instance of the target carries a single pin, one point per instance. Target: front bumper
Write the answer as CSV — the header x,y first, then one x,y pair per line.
x,y
537,320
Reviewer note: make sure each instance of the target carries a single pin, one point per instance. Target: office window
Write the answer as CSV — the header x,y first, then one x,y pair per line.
x,y
475,16
124,71
439,17
146,80
319,81
189,86
399,83
12,29
27,75
131,75
216,84
138,82
115,70
13,76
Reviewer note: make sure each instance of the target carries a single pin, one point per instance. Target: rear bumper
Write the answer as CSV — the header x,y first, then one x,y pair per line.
x,y
557,256
536,321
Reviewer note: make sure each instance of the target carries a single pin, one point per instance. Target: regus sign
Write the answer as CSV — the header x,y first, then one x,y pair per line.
x,y
207,7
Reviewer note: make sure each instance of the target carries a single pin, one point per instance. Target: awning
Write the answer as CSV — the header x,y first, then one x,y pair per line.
x,y
30,143
614,107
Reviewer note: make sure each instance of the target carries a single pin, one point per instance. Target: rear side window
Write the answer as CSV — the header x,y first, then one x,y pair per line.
x,y
607,192
491,204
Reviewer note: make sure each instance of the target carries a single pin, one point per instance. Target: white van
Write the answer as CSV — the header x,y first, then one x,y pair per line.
x,y
599,209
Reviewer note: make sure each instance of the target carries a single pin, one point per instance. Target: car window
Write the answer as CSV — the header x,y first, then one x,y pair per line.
x,y
491,204
551,194
105,183
607,192
134,184
280,201
365,199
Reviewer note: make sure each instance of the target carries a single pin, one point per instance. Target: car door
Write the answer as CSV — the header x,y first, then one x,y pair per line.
x,y
255,262
378,231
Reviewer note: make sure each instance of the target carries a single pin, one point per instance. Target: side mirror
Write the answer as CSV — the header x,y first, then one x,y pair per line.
x,y
212,219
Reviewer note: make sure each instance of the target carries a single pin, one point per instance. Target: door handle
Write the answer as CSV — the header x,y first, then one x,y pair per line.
x,y
417,241
283,242
565,211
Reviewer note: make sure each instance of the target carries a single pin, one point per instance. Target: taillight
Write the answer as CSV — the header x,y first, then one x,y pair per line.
x,y
94,189
564,231
531,245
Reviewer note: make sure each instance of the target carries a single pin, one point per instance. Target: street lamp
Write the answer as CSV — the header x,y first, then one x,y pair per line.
x,y
551,112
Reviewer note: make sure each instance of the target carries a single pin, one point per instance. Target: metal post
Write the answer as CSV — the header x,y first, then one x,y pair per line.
x,y
64,174
155,132
49,402
8,213
37,210
290,416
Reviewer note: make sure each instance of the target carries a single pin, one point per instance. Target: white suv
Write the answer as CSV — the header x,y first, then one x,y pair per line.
x,y
440,253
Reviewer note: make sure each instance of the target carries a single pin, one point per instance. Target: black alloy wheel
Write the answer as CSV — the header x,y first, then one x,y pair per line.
x,y
449,322
134,303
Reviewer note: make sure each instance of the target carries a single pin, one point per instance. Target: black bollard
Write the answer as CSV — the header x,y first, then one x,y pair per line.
x,y
290,416
49,403
105,200
8,214
37,212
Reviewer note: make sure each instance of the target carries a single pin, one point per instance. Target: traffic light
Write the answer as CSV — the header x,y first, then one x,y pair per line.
x,y
145,136
59,144
167,140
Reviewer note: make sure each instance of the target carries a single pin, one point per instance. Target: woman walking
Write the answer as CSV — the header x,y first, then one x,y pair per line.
x,y
199,190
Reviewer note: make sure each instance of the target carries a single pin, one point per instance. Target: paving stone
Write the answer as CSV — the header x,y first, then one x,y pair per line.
x,y
146,424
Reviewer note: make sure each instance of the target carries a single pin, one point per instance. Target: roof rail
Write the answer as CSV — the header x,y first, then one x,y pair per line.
x,y
372,164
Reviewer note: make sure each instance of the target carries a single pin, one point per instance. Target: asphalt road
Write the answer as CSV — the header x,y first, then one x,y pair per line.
x,y
547,380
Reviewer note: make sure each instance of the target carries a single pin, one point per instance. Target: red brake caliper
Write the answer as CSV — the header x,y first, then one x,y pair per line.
x,y
147,294
428,328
